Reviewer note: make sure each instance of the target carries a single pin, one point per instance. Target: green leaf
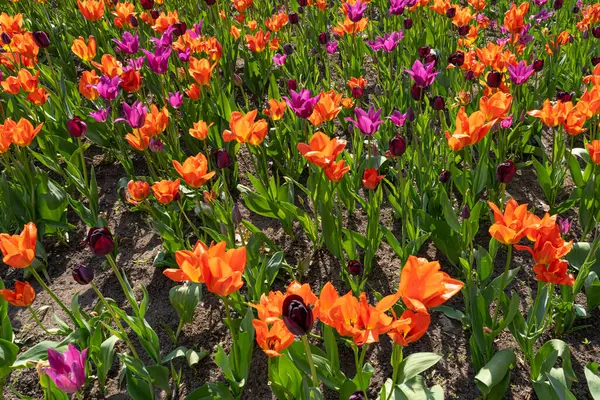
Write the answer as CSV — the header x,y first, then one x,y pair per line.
x,y
494,372
416,363
593,380
449,213
211,391
37,353
8,353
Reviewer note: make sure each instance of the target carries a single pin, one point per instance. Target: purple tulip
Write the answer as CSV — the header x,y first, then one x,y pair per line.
x,y
388,42
101,115
564,225
542,16
423,75
76,127
184,55
520,73
129,44
279,59
158,62
135,114
331,47
297,316
108,88
100,241
135,63
175,99
301,103
67,370
506,123
356,11
166,39
82,274
398,118
155,145
367,121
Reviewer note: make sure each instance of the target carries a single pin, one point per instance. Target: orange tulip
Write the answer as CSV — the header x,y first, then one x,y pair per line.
x,y
241,5
24,132
276,109
137,140
551,114
235,32
423,285
440,6
164,21
594,149
156,121
252,25
194,170
92,10
469,129
131,80
371,179
19,250
512,226
573,123
258,42
22,296
123,12
201,70
137,191
410,327
336,170
243,129
190,265
11,24
38,97
478,5
274,339
277,21
109,65
193,92
327,108
589,103
514,19
359,82
269,307
200,130
349,27
556,273
165,191
27,81
25,47
5,139
11,85
496,106
549,244
321,150
86,52
86,85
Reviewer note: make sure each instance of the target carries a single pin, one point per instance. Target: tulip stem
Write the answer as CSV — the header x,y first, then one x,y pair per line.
x,y
359,366
37,320
124,286
115,318
51,294
500,290
83,166
196,232
233,333
309,357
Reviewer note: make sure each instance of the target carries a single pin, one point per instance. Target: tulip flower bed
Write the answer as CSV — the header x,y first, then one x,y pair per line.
x,y
246,199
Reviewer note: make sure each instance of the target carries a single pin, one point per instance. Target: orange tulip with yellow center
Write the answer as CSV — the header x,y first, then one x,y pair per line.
x,y
277,21
19,250
137,140
200,130
137,191
11,24
276,109
552,114
166,191
258,42
327,108
92,10
85,51
123,13
469,129
201,70
24,132
194,170
321,150
272,340
594,150
244,129
28,81
22,296
514,224
514,19
349,27
495,106
156,121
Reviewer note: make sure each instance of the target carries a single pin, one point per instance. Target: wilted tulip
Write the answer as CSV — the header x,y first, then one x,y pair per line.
x,y
222,158
445,176
82,274
438,103
41,39
355,268
494,79
397,145
76,127
297,316
506,171
100,241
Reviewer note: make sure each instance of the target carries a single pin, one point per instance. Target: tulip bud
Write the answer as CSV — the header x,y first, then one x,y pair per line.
x,y
297,316
596,32
451,12
293,17
408,23
223,159
538,65
76,127
595,60
464,30
438,103
494,79
564,225
457,59
424,51
154,14
506,171
82,274
237,80
5,38
100,241
323,38
292,84
358,395
355,268
236,215
465,213
469,75
288,49
417,92
558,4
397,145
357,92
586,34
41,39
133,21
54,4
575,9
155,145
147,4
410,114
445,176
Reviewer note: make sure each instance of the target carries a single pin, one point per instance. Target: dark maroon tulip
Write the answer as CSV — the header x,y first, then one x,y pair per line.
x,y
358,395
410,114
288,49
457,59
5,38
564,96
179,28
154,14
506,171
236,215
237,80
223,159
76,127
357,92
464,30
465,212
147,4
538,65
303,3
451,12
210,2
82,274
292,84
431,58
41,39
408,23
293,17
424,51
438,103
469,75
575,9
297,316
133,21
355,268
300,10
558,4
595,60
494,79
100,241
323,38
417,92
596,32
445,176
397,145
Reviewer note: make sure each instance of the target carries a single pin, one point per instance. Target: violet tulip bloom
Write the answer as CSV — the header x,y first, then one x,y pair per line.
x,y
367,121
520,73
135,63
159,62
129,44
423,75
331,47
101,115
388,42
301,103
135,114
67,370
398,118
356,11
175,99
279,59
108,88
